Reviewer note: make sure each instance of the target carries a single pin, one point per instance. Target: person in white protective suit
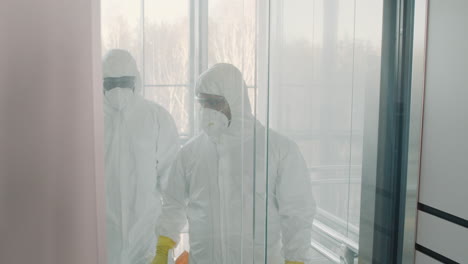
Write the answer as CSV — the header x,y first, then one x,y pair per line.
x,y
218,183
141,141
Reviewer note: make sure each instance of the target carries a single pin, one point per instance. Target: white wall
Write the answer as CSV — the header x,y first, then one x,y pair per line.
x,y
444,167
51,180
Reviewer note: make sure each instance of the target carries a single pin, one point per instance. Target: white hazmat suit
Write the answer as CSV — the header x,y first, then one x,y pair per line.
x,y
141,141
218,183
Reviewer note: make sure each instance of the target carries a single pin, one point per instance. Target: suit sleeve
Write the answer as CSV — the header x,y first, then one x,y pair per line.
x,y
173,216
296,205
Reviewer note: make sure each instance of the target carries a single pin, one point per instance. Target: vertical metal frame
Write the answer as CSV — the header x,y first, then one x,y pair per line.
x,y
143,46
198,37
198,49
386,149
415,129
262,59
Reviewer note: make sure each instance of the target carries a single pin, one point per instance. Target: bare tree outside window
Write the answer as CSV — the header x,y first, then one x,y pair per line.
x,y
167,69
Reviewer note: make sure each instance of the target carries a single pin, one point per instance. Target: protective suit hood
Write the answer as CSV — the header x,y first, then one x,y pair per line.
x,y
226,80
119,63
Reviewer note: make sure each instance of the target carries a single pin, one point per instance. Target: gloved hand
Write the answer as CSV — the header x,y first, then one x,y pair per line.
x,y
294,262
162,250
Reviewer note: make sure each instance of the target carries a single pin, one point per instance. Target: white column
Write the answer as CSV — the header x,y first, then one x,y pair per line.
x,y
51,147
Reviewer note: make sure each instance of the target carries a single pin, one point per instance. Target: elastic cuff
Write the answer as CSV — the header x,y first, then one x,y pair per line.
x,y
166,242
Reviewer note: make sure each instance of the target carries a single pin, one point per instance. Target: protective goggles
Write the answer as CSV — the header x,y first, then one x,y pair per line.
x,y
215,102
110,83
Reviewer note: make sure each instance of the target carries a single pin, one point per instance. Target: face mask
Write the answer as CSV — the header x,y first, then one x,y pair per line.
x,y
118,97
213,122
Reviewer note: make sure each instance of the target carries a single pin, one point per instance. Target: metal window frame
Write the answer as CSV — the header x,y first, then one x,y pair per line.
x,y
383,181
392,151
421,10
198,50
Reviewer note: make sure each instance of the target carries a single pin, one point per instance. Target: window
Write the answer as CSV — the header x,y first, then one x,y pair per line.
x,y
160,42
163,41
232,37
166,59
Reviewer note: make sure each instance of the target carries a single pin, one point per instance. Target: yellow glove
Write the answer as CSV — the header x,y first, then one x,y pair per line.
x,y
162,250
294,262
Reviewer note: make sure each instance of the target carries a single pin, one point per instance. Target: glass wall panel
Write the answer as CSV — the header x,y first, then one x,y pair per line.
x,y
324,54
271,166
